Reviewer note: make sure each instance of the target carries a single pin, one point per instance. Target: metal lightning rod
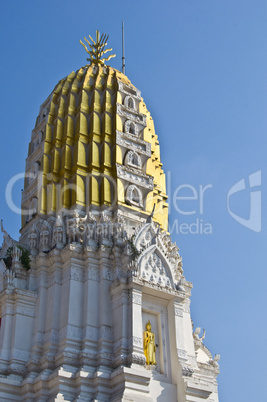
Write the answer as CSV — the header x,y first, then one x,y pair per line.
x,y
123,58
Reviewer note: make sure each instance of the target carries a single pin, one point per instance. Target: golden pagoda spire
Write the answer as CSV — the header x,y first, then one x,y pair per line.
x,y
98,48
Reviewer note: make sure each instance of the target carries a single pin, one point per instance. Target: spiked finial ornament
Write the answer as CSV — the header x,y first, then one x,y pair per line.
x,y
98,48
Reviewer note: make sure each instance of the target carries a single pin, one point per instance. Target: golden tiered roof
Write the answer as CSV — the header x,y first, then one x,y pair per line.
x,y
94,143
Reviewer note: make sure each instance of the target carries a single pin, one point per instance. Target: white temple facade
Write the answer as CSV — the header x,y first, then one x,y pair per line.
x,y
95,262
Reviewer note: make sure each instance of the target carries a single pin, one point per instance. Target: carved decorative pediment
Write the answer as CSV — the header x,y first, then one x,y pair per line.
x,y
155,269
159,261
146,235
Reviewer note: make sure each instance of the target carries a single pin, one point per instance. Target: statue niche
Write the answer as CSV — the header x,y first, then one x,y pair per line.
x,y
132,159
130,127
33,241
129,102
134,196
45,238
58,234
149,345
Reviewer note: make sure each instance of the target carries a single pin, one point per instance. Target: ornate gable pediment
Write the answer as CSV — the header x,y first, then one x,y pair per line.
x,y
159,261
154,268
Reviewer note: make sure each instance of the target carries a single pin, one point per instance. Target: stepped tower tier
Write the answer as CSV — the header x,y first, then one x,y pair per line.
x,y
94,304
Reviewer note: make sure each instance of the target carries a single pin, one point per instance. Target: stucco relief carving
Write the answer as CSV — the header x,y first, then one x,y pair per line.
x,y
91,233
92,273
137,341
59,234
156,263
45,237
141,282
106,273
33,240
129,89
119,232
178,312
132,159
130,141
187,371
76,274
131,115
171,251
153,266
8,278
104,230
55,277
138,359
129,102
215,364
134,196
137,298
146,235
130,127
153,270
75,227
135,176
182,353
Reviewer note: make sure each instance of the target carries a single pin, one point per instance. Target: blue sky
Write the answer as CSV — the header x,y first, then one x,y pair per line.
x,y
201,66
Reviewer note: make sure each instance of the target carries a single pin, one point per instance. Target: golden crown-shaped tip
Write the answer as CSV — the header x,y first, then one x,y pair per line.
x,y
97,48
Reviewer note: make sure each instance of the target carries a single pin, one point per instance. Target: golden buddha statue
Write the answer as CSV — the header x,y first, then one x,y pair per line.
x,y
149,345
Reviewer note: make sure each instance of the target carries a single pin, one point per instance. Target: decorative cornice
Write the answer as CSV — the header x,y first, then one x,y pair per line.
x,y
133,116
129,141
135,176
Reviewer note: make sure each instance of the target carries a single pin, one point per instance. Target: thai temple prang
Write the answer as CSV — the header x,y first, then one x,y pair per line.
x,y
94,304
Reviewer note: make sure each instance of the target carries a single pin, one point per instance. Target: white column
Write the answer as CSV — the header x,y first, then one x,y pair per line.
x,y
52,318
71,310
105,344
136,336
22,330
41,269
91,310
6,332
121,323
